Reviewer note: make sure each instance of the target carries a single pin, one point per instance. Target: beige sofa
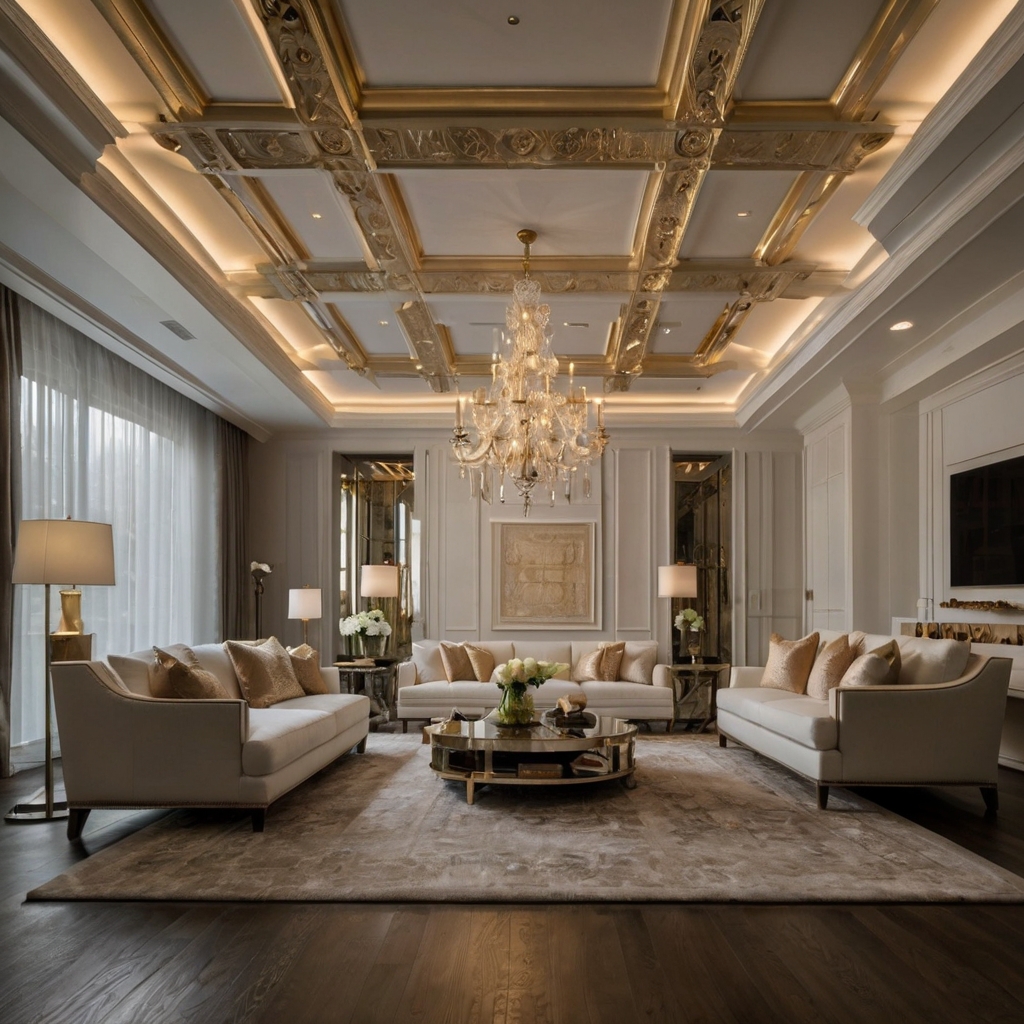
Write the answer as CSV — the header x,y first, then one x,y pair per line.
x,y
424,691
940,725
121,747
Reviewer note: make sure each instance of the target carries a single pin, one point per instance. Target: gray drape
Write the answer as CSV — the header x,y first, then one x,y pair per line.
x,y
233,455
10,501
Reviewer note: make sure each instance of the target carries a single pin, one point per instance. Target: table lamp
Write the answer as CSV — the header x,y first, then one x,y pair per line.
x,y
59,551
305,603
381,581
677,580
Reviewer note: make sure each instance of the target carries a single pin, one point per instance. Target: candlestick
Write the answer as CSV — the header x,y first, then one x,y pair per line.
x,y
458,411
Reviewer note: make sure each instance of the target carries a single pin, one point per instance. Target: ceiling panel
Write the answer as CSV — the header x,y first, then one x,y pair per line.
x,y
683,322
465,43
802,48
770,325
373,320
314,210
716,229
477,213
238,72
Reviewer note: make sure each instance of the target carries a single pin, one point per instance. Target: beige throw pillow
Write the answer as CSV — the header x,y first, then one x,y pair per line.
x,y
867,670
185,679
638,661
306,665
789,663
829,667
159,680
457,666
611,661
482,662
265,673
891,653
588,668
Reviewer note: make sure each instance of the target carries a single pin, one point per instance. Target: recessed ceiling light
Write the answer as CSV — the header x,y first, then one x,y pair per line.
x,y
666,330
419,366
513,20
383,323
743,213
902,325
318,216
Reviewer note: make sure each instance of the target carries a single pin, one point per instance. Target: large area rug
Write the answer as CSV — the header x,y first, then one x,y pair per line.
x,y
703,824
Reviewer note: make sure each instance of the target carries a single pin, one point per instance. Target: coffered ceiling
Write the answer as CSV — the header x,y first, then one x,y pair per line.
x,y
345,178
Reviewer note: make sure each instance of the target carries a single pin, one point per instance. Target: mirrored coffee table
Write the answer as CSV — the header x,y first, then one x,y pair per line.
x,y
555,752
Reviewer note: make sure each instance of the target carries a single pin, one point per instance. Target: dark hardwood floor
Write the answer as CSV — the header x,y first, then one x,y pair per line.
x,y
297,963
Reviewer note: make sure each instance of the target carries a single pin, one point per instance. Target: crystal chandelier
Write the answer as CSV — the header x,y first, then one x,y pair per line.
x,y
526,430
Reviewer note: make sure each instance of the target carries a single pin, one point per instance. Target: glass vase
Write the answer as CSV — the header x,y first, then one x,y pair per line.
x,y
370,646
516,706
693,646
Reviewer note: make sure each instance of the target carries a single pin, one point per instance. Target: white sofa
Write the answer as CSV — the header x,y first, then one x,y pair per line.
x,y
940,725
424,691
121,747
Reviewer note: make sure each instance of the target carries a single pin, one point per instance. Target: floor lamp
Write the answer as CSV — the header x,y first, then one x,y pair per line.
x,y
305,603
380,581
56,551
677,581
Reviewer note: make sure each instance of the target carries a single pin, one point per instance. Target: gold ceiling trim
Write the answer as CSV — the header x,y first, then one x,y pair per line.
x,y
717,340
428,343
803,202
798,148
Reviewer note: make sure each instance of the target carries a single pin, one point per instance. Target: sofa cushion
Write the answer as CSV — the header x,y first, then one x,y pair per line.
x,y
482,662
306,665
927,661
638,661
611,662
348,709
132,670
278,737
604,694
264,671
455,659
829,667
160,667
804,720
426,656
500,650
215,659
191,682
867,670
789,662
890,652
545,650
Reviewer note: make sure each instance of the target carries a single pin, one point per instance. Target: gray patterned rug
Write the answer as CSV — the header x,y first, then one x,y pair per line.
x,y
703,824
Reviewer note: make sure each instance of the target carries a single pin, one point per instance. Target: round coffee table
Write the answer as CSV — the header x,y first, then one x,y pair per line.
x,y
554,752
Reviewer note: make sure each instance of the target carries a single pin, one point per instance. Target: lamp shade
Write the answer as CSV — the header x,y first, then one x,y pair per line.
x,y
677,581
305,603
379,581
64,551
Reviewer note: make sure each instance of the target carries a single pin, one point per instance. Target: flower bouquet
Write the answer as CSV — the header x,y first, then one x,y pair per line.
x,y
370,631
516,706
690,624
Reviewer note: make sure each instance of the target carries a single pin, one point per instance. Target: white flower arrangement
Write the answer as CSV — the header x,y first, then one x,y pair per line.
x,y
688,621
525,672
371,623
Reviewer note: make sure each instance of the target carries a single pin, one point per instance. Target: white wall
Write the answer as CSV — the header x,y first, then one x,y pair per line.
x,y
292,526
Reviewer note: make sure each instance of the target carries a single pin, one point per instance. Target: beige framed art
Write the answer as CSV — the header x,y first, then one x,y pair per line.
x,y
544,575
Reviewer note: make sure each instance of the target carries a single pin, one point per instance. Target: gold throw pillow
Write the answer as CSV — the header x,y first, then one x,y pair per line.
x,y
481,661
457,666
829,667
265,673
186,680
891,653
789,663
164,657
306,665
611,661
588,668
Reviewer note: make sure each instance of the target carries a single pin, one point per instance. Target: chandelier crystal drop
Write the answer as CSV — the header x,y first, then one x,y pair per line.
x,y
526,430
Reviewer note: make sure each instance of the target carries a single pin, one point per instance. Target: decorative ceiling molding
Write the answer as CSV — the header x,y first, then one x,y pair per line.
x,y
430,348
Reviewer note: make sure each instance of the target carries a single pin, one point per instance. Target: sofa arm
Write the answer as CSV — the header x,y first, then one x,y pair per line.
x,y
331,677
406,674
122,749
746,675
662,676
943,732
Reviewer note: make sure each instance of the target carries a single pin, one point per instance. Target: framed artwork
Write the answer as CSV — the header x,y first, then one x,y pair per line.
x,y
544,575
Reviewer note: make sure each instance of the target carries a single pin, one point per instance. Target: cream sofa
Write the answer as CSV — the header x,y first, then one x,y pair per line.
x,y
940,725
121,747
424,691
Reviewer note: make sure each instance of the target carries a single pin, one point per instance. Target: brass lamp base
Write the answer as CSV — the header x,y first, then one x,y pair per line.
x,y
34,809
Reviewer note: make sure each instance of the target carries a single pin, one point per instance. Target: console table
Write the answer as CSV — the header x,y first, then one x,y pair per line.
x,y
688,681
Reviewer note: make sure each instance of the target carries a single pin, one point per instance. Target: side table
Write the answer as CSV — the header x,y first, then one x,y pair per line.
x,y
376,681
688,682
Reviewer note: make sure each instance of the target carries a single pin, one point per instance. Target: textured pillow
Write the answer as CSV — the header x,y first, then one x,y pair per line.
x,y
457,665
638,661
481,661
306,665
857,638
186,680
829,667
588,668
611,660
789,663
265,673
867,670
159,680
891,653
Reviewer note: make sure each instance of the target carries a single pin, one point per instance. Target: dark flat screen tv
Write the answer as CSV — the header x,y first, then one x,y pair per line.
x,y
986,525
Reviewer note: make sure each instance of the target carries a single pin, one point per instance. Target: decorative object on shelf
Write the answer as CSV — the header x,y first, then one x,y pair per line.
x,y
526,430
58,551
369,632
259,572
516,707
983,606
1011,634
571,703
690,624
305,603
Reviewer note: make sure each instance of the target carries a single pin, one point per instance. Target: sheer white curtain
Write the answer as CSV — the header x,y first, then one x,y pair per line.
x,y
102,440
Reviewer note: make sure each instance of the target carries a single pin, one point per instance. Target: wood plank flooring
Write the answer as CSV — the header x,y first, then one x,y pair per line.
x,y
296,963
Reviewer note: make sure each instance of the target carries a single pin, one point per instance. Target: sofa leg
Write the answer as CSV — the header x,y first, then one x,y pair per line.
x,y
822,796
76,821
361,746
990,795
722,740
405,725
259,819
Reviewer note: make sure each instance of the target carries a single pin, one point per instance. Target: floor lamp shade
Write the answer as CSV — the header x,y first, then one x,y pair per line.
x,y
64,551
379,581
677,581
306,603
